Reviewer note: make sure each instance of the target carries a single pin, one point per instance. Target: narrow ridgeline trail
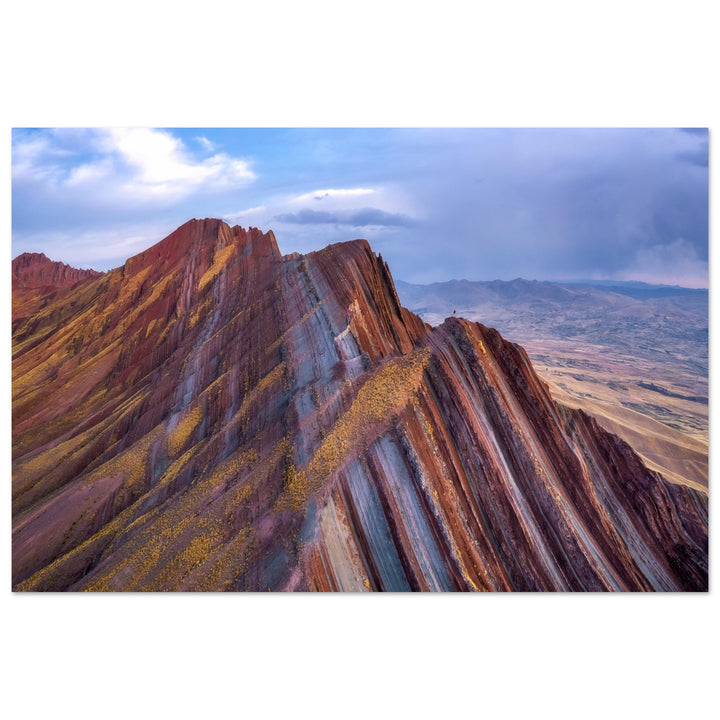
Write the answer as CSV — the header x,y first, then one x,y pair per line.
x,y
216,416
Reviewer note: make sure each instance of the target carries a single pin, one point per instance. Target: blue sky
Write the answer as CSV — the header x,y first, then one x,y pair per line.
x,y
480,204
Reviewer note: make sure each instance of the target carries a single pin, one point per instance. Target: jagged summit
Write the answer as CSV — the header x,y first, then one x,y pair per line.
x,y
197,241
215,416
35,278
35,270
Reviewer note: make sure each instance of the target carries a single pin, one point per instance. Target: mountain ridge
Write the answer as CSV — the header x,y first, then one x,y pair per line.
x,y
214,415
32,270
637,359
621,285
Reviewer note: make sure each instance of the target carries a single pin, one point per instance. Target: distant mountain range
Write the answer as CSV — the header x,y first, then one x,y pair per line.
x,y
629,317
213,415
641,290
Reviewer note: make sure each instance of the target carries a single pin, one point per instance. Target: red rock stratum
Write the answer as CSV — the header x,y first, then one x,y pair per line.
x,y
216,416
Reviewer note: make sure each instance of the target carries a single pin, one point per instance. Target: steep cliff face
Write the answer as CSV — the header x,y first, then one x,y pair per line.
x,y
215,416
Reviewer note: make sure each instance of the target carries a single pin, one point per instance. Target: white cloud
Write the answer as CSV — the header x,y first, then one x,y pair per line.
x,y
141,164
249,216
205,143
162,165
36,159
90,172
309,220
387,198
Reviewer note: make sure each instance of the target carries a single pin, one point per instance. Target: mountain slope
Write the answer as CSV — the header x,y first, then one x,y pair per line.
x,y
214,416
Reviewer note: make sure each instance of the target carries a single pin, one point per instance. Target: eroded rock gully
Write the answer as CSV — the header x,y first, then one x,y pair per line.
x,y
216,416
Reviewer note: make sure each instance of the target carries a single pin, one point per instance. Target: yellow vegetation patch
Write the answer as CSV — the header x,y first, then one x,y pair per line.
x,y
167,478
175,538
25,379
193,554
64,451
229,564
27,472
219,262
132,285
382,396
200,311
252,396
148,555
296,486
275,374
130,462
157,291
232,468
182,431
47,577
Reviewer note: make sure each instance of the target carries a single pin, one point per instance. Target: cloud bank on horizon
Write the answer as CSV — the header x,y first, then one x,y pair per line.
x,y
481,204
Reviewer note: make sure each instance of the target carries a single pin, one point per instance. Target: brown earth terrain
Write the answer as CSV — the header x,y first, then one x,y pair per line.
x,y
216,416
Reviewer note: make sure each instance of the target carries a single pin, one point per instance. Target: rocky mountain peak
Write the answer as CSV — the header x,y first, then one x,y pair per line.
x,y
197,241
36,270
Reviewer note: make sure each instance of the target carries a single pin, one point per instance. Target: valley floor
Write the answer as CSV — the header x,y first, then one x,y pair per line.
x,y
664,419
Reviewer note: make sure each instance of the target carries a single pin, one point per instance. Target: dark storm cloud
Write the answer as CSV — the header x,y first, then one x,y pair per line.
x,y
373,216
699,154
356,218
560,204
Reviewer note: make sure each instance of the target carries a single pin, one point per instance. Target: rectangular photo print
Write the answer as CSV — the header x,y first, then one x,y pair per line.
x,y
352,360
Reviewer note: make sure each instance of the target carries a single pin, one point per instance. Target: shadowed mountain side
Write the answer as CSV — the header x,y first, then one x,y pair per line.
x,y
214,416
